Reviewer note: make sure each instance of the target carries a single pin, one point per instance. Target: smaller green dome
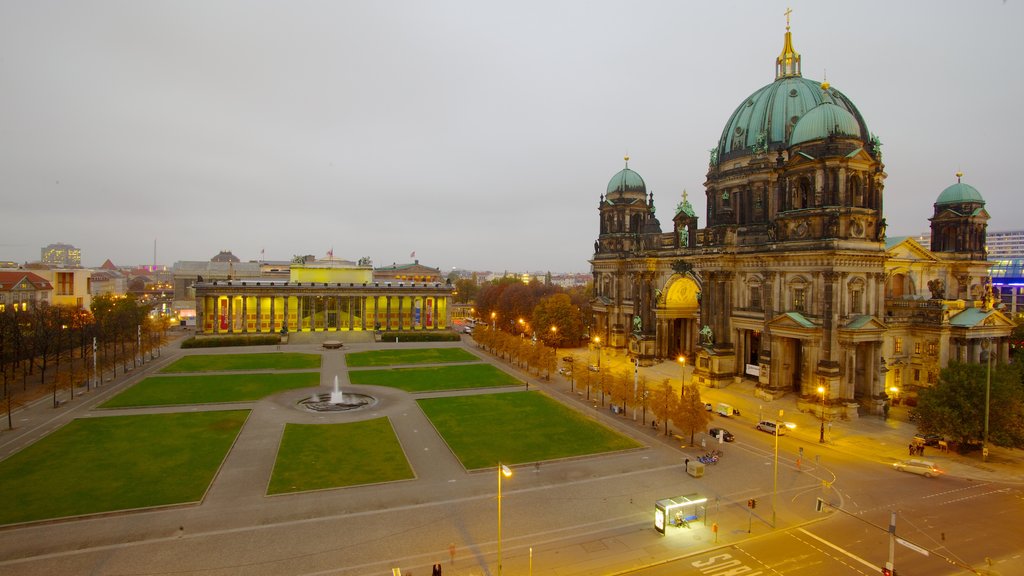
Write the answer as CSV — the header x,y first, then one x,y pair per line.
x,y
824,120
959,193
627,181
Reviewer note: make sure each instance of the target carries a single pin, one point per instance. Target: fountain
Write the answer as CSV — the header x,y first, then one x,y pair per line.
x,y
337,397
336,401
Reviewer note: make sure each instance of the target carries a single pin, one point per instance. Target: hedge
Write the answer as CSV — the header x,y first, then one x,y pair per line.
x,y
222,341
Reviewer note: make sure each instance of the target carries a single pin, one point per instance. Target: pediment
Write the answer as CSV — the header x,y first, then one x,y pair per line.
x,y
910,249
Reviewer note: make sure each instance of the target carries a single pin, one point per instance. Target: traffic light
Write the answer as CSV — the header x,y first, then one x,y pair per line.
x,y
886,572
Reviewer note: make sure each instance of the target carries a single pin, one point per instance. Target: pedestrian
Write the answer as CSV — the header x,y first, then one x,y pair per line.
x,y
920,450
687,464
910,449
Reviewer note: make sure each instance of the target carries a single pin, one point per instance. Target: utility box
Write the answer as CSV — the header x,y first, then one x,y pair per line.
x,y
695,468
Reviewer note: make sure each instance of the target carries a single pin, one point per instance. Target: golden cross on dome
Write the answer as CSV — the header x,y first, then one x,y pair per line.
x,y
788,12
684,194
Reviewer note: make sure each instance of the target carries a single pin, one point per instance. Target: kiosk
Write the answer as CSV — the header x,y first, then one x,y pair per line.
x,y
678,511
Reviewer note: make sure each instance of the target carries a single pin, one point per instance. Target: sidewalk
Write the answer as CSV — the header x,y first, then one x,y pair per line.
x,y
869,437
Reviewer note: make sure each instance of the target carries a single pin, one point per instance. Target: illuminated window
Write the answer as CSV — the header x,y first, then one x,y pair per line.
x,y
65,283
917,350
933,348
799,299
897,345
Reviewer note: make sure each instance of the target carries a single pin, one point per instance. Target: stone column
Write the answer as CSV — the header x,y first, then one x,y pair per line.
x,y
245,313
387,313
284,322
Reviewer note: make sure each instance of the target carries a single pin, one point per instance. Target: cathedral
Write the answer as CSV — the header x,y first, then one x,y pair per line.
x,y
793,282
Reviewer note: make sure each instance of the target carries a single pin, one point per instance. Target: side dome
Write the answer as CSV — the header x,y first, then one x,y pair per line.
x,y
627,182
959,193
824,120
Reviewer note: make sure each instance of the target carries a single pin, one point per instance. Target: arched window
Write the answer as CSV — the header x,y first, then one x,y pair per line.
x,y
856,191
806,193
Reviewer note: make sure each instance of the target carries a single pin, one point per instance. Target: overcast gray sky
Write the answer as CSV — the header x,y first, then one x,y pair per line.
x,y
478,134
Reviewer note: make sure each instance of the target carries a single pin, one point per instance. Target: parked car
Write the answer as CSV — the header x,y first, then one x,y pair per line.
x,y
467,330
725,434
708,407
927,439
593,368
925,468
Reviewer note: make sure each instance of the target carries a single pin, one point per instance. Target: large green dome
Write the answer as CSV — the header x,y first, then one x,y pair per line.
x,y
626,182
767,117
959,193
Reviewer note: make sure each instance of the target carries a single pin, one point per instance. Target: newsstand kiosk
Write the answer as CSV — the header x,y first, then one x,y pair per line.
x,y
679,511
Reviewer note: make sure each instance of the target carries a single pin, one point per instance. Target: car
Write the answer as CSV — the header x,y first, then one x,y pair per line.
x,y
708,407
925,468
770,427
725,434
568,359
594,368
467,330
927,439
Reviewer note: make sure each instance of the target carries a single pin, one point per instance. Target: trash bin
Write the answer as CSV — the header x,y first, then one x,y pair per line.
x,y
695,468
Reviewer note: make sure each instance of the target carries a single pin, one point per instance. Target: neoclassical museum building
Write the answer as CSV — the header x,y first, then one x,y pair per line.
x,y
328,295
793,282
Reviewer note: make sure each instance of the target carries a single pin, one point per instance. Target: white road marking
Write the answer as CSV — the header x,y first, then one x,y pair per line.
x,y
838,549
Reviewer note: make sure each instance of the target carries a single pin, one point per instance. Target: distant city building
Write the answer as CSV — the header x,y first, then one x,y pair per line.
x,y
21,290
1008,284
329,295
414,272
225,256
61,255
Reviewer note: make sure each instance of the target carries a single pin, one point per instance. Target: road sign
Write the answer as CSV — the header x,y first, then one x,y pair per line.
x,y
912,546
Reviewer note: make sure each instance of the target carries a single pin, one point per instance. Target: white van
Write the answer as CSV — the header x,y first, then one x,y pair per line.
x,y
769,427
724,409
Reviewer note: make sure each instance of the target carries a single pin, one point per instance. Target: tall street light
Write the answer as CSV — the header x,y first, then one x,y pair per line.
x,y
821,433
597,341
775,482
682,374
507,473
988,386
494,315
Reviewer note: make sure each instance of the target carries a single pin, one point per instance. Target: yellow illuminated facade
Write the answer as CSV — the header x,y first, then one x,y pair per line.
x,y
321,296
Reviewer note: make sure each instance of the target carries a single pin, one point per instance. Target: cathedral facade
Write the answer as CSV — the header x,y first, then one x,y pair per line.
x,y
793,282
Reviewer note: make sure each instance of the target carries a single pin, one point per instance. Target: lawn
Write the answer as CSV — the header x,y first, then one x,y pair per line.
x,y
435,378
517,427
110,463
409,356
228,362
319,456
209,389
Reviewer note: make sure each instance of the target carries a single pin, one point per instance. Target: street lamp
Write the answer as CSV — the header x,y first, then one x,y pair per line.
x,y
597,341
493,316
988,386
682,374
821,433
507,473
775,482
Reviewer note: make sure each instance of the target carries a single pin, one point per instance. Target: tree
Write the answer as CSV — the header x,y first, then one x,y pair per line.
x,y
559,312
692,414
465,291
664,402
955,406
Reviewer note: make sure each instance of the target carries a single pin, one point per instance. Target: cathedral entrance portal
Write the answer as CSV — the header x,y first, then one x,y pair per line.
x,y
678,318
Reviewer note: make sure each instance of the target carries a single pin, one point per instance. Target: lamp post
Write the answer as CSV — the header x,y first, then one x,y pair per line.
x,y
507,473
682,374
597,342
494,315
988,386
775,471
821,432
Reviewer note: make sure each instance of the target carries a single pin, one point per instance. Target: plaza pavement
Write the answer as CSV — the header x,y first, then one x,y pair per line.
x,y
237,529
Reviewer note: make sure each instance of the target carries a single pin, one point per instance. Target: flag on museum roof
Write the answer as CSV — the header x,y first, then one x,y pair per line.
x,y
330,253
412,254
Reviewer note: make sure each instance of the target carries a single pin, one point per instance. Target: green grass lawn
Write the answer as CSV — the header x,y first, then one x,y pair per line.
x,y
101,464
319,456
517,427
411,356
176,390
226,362
435,378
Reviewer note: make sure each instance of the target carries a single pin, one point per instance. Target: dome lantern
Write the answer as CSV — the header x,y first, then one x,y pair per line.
x,y
787,65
